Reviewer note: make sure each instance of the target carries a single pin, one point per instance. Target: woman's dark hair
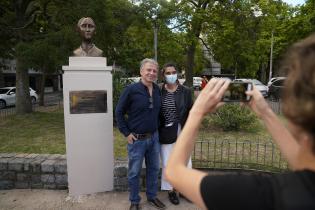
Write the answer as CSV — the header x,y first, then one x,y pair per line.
x,y
299,91
169,64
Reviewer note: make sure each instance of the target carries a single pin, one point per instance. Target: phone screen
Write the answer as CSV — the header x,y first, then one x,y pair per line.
x,y
236,92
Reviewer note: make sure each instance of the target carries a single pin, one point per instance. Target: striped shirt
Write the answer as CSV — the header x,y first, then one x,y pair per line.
x,y
169,108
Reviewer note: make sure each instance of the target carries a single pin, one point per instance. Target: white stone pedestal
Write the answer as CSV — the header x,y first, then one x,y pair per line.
x,y
89,136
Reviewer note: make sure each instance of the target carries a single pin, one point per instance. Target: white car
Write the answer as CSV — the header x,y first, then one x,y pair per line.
x,y
274,79
258,84
181,81
7,96
197,83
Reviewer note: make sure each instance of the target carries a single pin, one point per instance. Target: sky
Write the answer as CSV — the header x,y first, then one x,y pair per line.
x,y
294,2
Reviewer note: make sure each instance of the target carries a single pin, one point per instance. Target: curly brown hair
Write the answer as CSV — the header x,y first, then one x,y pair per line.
x,y
299,92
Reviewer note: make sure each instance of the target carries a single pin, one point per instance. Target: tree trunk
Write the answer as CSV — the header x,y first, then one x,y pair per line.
x,y
42,89
263,73
1,79
193,36
23,99
190,64
235,70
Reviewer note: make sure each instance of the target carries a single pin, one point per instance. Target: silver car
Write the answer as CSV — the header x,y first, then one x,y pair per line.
x,y
273,79
258,84
7,96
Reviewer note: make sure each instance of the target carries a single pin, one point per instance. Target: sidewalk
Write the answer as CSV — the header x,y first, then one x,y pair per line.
x,y
28,199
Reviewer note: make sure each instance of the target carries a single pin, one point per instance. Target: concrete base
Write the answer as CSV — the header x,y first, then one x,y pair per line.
x,y
89,136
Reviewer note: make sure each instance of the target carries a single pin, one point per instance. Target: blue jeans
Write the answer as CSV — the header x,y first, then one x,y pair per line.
x,y
150,150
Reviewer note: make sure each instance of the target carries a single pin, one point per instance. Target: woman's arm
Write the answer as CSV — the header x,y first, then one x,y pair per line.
x,y
280,134
186,180
183,179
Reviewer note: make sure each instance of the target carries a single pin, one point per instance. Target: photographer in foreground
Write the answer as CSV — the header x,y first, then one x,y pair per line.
x,y
292,190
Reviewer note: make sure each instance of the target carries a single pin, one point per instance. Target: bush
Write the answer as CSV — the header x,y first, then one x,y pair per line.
x,y
233,117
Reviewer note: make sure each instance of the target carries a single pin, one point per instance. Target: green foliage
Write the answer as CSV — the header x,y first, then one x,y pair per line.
x,y
233,117
236,35
40,55
239,34
4,32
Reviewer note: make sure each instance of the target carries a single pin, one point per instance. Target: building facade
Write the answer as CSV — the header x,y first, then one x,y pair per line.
x,y
8,73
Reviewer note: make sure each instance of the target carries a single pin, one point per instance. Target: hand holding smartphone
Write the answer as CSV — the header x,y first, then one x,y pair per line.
x,y
236,92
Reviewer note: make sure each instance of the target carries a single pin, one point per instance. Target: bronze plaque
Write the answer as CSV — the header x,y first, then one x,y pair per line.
x,y
88,101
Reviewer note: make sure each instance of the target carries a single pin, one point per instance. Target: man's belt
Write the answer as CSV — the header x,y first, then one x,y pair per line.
x,y
142,136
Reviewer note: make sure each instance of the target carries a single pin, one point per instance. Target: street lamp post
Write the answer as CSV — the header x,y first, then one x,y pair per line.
x,y
155,17
155,41
271,52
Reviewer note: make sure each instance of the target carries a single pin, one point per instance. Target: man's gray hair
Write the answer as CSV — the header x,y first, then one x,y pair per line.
x,y
148,60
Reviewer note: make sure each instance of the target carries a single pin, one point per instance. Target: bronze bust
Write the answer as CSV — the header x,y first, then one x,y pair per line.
x,y
86,28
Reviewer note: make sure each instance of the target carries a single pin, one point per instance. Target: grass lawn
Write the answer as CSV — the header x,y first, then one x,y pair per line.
x,y
38,132
43,132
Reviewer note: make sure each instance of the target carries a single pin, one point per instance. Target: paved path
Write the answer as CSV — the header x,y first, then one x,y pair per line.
x,y
58,200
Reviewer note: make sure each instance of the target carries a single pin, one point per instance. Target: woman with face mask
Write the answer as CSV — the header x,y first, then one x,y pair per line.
x,y
176,103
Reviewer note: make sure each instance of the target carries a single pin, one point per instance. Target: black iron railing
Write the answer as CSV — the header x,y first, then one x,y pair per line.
x,y
234,154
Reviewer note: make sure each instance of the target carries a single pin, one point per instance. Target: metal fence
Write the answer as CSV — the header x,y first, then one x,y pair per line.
x,y
238,154
276,106
227,154
9,111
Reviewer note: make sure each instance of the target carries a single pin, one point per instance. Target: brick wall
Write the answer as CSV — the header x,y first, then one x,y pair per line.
x,y
22,171
44,171
35,171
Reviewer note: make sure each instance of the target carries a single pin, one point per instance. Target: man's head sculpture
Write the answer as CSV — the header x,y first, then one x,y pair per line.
x,y
86,28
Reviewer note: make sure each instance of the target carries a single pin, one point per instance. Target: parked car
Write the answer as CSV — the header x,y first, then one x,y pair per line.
x,y
130,80
258,84
197,83
181,81
274,79
276,88
7,96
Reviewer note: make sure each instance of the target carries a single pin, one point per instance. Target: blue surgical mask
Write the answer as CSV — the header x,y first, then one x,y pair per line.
x,y
171,79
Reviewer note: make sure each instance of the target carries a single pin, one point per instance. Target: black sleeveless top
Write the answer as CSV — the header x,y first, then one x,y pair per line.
x,y
290,191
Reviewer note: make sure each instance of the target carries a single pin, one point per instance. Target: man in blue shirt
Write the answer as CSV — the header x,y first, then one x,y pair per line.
x,y
141,103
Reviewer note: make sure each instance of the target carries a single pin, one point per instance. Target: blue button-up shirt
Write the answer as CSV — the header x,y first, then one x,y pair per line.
x,y
142,112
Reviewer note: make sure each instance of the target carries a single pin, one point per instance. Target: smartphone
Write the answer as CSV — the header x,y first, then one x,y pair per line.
x,y
236,92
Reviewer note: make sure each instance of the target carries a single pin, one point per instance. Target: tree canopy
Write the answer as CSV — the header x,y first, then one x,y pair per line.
x,y
236,33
